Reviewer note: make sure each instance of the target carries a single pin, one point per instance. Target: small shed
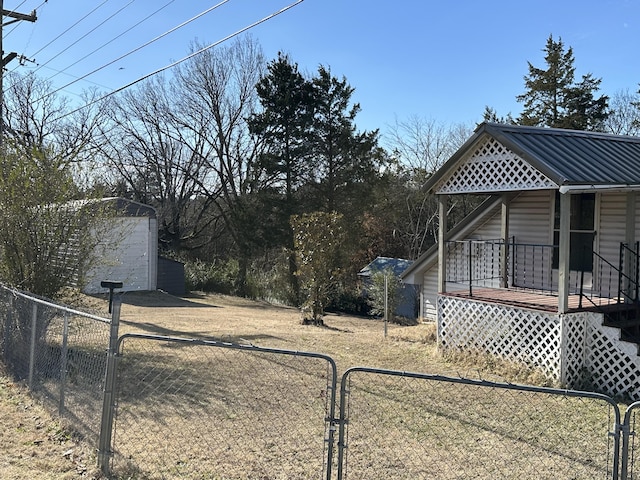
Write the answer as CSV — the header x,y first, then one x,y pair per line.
x,y
408,294
127,249
171,276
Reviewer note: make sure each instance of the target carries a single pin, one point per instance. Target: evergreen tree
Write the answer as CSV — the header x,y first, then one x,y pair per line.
x,y
344,161
284,126
553,99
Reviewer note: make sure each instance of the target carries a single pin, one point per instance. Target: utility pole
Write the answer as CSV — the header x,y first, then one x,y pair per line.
x,y
4,60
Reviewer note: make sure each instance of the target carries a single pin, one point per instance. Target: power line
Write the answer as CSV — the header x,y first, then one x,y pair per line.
x,y
58,72
72,26
4,60
114,38
22,57
16,26
210,9
89,32
171,65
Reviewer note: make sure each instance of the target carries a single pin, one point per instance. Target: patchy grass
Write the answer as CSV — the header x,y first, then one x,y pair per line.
x,y
34,444
176,419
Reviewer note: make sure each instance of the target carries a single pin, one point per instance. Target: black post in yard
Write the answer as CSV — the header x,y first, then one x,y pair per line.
x,y
111,285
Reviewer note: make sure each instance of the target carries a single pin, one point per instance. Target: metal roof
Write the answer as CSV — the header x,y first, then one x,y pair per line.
x,y
568,157
396,265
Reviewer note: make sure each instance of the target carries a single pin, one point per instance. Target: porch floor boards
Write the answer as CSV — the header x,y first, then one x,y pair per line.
x,y
521,298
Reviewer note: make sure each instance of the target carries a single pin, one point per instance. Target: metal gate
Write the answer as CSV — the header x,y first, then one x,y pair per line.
x,y
415,426
206,409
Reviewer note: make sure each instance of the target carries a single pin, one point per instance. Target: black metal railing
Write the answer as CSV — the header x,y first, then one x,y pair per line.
x,y
531,267
475,263
629,285
534,267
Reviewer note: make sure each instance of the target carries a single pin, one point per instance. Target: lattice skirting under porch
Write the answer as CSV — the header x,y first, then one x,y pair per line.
x,y
575,349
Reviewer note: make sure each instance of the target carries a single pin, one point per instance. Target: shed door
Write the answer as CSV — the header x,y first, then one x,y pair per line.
x,y
582,231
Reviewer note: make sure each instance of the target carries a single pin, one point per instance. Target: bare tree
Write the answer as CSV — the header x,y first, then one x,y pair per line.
x,y
156,160
216,96
183,146
36,118
420,146
624,118
46,241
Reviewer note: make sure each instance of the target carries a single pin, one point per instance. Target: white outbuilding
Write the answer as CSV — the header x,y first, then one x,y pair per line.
x,y
127,249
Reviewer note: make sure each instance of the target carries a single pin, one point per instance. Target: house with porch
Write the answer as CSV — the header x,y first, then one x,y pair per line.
x,y
545,271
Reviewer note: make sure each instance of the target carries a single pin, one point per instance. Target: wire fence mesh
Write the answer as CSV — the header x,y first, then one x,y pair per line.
x,y
189,408
59,353
215,410
631,425
419,426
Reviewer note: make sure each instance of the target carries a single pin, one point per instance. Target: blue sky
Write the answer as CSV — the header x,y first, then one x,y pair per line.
x,y
439,60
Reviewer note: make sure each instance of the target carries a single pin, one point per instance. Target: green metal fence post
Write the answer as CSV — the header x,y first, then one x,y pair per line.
x,y
108,404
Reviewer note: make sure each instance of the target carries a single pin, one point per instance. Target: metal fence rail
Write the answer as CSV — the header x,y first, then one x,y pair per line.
x,y
405,425
220,410
186,408
60,353
630,443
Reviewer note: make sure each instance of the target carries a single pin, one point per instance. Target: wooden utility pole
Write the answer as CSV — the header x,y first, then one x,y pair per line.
x,y
4,60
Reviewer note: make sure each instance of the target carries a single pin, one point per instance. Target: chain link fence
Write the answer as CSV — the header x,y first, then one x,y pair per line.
x,y
159,407
60,353
630,445
198,409
405,425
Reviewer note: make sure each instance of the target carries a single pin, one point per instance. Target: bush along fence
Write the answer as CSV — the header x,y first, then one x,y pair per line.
x,y
162,407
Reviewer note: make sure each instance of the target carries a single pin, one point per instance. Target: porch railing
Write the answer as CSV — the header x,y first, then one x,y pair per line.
x,y
475,263
533,267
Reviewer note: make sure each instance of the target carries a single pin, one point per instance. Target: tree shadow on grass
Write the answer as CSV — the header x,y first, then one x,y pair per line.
x,y
159,299
154,329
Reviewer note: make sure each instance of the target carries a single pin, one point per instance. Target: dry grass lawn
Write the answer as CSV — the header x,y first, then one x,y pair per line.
x,y
33,445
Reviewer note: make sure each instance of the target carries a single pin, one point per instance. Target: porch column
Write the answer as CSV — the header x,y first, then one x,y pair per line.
x,y
504,233
630,230
442,235
563,252
630,240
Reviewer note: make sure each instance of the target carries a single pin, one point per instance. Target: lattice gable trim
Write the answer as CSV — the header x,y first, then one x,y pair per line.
x,y
492,167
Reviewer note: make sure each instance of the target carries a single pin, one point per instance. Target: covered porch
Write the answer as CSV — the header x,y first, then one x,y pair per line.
x,y
545,272
528,275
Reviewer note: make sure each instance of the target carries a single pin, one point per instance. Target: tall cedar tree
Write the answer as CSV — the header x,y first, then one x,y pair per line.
x,y
284,125
314,157
345,161
553,99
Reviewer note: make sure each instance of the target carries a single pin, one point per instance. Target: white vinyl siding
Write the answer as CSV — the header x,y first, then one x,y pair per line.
x,y
611,230
430,295
127,253
530,217
529,222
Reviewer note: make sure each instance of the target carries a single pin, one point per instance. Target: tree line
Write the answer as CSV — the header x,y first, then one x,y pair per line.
x,y
254,167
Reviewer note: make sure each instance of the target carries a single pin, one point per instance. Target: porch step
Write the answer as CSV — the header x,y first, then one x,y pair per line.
x,y
627,321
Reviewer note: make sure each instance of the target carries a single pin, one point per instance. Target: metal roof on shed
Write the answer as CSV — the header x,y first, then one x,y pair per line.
x,y
568,157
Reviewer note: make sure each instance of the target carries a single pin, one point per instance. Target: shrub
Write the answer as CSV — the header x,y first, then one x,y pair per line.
x,y
216,277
